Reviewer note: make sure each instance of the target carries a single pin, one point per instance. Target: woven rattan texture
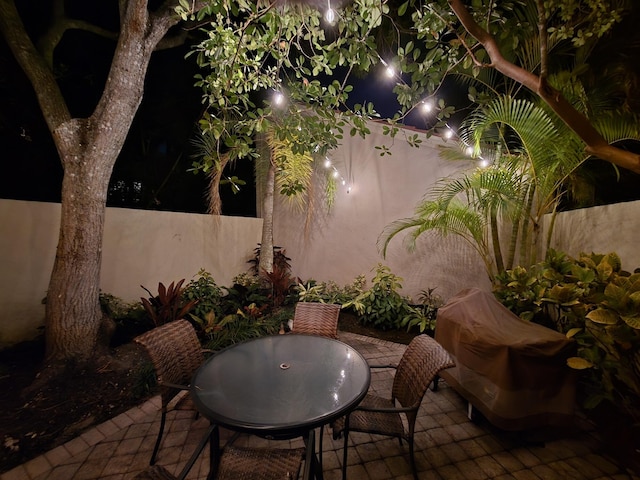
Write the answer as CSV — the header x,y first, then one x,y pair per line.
x,y
316,319
420,363
260,464
176,354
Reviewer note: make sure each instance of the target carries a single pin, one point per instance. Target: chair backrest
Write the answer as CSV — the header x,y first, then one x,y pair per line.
x,y
418,367
316,319
176,353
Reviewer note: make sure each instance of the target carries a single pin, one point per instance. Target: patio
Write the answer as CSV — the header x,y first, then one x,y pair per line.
x,y
448,445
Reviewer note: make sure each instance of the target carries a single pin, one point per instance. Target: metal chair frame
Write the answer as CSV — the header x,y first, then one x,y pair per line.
x,y
418,367
176,353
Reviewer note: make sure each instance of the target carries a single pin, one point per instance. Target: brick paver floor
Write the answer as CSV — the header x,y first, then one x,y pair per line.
x,y
448,445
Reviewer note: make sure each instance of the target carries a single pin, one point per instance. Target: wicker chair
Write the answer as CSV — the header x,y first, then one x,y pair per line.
x,y
176,354
316,319
420,364
240,463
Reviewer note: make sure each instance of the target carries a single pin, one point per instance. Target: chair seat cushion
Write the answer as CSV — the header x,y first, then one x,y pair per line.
x,y
239,463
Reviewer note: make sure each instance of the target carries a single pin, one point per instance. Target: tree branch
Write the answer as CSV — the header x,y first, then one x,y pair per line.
x,y
595,144
52,103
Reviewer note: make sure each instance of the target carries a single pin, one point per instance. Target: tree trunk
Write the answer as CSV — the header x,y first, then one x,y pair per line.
x,y
88,150
266,246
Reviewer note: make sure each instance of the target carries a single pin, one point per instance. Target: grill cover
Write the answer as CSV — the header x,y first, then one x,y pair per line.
x,y
511,370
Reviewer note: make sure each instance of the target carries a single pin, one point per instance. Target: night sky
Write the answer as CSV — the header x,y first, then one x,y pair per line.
x,y
151,172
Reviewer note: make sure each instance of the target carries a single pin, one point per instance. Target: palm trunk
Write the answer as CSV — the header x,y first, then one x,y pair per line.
x,y
495,241
266,246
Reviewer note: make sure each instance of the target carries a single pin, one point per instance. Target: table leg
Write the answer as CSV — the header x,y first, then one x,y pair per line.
x,y
214,453
315,467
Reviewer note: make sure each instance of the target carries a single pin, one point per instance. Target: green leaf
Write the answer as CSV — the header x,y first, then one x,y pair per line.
x,y
578,363
603,316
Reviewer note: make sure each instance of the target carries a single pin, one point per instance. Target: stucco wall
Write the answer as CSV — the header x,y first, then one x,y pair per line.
x,y
140,248
342,243
605,229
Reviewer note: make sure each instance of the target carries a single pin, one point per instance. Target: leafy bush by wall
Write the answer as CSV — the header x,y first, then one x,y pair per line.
x,y
593,300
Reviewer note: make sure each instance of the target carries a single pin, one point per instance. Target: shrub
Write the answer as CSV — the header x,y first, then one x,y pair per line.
x,y
381,305
330,292
130,318
423,316
594,301
207,296
168,305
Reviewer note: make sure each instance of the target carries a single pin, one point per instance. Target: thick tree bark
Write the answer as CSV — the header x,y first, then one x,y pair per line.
x,y
88,149
596,145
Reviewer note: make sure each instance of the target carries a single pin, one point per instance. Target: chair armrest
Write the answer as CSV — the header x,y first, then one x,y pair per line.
x,y
386,410
174,385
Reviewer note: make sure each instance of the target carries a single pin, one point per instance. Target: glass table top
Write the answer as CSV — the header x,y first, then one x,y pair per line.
x,y
281,384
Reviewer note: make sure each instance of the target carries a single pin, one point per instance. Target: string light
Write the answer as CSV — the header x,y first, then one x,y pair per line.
x,y
330,15
427,106
390,71
278,98
336,174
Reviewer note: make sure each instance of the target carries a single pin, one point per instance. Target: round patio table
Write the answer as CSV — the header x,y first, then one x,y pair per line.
x,y
280,386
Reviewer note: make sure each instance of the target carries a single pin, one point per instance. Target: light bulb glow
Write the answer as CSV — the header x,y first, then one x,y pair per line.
x,y
330,15
327,163
390,72
469,151
427,106
448,133
278,98
484,163
335,174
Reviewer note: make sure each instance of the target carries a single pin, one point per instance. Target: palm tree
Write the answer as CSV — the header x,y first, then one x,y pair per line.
x,y
534,157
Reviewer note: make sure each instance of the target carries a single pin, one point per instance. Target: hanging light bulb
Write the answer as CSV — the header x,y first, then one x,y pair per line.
x,y
469,151
278,98
327,162
427,106
448,134
390,72
330,15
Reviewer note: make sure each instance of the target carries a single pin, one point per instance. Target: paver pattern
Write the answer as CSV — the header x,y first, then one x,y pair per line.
x,y
448,445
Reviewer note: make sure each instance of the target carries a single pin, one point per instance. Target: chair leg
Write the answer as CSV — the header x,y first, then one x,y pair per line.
x,y
320,432
436,380
344,455
412,458
196,452
163,419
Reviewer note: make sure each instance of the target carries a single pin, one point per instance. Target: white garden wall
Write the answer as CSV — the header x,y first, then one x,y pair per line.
x,y
342,243
140,248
